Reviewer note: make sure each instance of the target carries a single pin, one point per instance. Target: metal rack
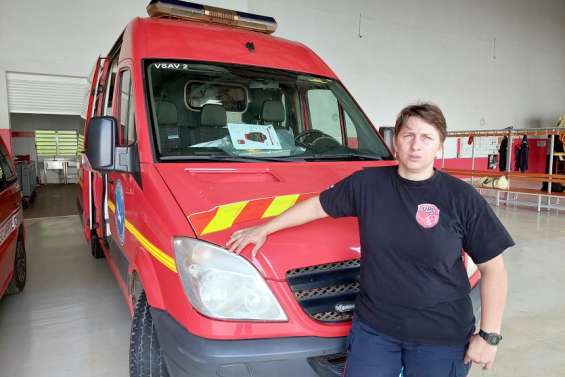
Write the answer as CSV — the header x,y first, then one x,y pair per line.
x,y
511,134
27,177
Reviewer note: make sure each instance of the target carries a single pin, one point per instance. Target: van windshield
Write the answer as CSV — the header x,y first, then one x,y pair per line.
x,y
206,111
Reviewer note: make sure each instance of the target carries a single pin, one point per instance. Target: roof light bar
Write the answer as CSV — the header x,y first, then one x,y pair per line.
x,y
197,12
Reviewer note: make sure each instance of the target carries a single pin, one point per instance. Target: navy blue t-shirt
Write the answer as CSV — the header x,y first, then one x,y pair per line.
x,y
414,285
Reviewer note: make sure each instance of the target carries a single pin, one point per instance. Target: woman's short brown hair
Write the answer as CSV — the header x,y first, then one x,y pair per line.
x,y
428,112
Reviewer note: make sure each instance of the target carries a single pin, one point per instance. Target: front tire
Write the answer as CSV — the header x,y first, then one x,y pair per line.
x,y
18,282
145,358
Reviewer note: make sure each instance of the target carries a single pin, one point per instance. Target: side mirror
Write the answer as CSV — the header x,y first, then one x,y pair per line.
x,y
100,142
388,134
101,149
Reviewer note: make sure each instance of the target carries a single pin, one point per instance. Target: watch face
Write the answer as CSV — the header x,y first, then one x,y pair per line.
x,y
494,339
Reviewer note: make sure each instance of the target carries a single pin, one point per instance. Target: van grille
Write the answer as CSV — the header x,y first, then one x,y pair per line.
x,y
326,292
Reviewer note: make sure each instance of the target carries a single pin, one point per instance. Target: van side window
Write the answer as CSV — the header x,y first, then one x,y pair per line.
x,y
109,97
98,92
126,110
2,177
324,113
351,131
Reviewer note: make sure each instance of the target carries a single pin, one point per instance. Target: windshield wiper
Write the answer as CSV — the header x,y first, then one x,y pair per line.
x,y
343,156
314,157
209,157
223,158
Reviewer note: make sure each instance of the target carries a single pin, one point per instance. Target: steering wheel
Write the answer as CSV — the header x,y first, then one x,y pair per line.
x,y
313,137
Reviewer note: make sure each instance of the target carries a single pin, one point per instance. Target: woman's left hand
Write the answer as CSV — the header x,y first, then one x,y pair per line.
x,y
480,352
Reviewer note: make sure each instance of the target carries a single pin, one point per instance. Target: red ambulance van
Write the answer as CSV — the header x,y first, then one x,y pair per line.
x,y
12,234
200,123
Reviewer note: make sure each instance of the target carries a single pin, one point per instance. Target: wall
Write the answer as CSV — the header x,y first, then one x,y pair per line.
x,y
23,125
32,122
487,63
536,158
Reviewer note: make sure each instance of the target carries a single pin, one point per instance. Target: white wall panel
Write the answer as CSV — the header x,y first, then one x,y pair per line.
x,y
45,94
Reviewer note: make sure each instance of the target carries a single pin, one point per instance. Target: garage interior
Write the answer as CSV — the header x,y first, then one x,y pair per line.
x,y
494,67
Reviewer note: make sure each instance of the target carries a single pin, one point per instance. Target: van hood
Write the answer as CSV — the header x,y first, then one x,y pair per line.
x,y
220,198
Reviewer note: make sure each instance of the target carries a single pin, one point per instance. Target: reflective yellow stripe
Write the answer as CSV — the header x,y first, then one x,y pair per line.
x,y
158,254
225,217
161,256
280,204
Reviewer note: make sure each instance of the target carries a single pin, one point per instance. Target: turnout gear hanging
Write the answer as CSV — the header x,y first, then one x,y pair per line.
x,y
522,155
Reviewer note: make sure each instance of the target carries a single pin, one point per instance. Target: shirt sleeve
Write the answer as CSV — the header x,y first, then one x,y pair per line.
x,y
340,199
485,237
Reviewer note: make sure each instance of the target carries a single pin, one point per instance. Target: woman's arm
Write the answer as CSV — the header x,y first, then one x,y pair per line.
x,y
494,286
301,213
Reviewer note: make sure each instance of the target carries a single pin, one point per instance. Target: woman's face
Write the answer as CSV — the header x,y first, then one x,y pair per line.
x,y
417,145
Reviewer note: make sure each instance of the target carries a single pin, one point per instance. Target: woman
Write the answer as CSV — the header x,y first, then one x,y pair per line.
x,y
413,310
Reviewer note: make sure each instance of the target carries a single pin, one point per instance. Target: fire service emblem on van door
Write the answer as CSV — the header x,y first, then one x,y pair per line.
x,y
120,215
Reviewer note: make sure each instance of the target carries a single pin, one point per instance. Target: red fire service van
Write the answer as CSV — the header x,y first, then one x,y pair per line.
x,y
200,123
12,234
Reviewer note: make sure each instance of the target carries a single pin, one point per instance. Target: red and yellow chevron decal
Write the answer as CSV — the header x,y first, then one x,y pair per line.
x,y
226,216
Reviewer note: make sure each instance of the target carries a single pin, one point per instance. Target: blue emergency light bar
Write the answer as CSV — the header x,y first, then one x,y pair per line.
x,y
197,12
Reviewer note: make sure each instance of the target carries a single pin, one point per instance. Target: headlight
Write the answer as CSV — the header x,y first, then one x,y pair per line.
x,y
223,285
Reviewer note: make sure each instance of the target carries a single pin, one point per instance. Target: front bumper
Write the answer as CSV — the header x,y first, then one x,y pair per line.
x,y
189,355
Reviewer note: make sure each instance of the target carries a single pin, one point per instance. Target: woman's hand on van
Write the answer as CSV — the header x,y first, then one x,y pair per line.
x,y
240,239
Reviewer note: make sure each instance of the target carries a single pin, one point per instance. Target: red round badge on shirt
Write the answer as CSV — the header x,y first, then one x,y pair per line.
x,y
427,215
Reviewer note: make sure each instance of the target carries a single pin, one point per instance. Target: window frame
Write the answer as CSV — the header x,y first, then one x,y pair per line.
x,y
110,89
9,175
302,115
121,140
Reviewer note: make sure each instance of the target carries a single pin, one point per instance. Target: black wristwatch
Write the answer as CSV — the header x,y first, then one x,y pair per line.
x,y
491,338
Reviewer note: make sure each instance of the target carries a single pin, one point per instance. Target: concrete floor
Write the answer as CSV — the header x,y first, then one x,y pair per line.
x,y
71,319
53,200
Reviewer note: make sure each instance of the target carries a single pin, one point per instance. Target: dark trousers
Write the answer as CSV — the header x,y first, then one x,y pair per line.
x,y
372,354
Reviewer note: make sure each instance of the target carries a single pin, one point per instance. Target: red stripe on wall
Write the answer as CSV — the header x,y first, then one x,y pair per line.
x,y
536,160
23,134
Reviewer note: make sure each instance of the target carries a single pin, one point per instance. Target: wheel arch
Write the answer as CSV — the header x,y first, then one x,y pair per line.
x,y
143,277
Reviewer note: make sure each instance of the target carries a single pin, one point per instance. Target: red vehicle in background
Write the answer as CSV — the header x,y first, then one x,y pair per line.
x,y
12,234
165,181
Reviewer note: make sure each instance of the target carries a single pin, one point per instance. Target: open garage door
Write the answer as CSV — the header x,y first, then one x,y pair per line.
x,y
45,94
